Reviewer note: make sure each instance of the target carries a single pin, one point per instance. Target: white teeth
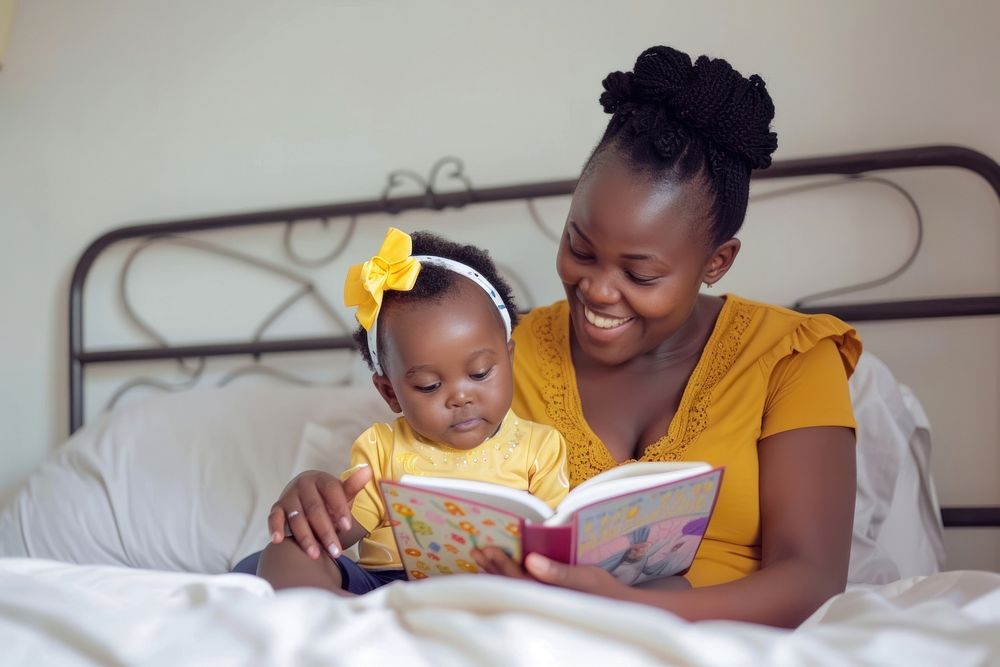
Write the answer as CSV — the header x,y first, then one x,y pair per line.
x,y
602,322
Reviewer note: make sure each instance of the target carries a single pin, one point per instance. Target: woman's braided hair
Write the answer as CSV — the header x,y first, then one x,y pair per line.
x,y
705,119
435,283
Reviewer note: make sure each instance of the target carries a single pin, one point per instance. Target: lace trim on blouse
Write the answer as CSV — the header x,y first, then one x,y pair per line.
x,y
587,454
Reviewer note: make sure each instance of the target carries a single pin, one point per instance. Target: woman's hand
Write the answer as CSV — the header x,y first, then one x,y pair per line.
x,y
585,578
317,506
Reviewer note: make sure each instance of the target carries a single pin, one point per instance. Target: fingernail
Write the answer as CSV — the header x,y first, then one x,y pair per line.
x,y
275,536
541,564
344,523
353,469
313,552
334,551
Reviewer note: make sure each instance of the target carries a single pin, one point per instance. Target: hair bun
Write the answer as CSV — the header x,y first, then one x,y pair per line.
x,y
709,98
617,91
660,73
733,111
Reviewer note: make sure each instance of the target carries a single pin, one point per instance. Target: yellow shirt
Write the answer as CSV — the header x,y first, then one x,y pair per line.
x,y
764,370
522,455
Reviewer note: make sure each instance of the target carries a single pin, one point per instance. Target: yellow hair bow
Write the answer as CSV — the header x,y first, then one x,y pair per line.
x,y
391,269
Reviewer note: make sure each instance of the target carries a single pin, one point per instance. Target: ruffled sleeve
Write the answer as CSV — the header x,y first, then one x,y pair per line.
x,y
807,373
809,330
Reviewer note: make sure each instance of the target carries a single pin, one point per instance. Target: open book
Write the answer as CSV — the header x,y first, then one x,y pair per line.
x,y
639,521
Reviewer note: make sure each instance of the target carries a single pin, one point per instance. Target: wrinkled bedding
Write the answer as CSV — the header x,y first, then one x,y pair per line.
x,y
59,614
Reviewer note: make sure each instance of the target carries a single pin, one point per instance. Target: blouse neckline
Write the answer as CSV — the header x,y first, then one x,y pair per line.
x,y
656,450
587,453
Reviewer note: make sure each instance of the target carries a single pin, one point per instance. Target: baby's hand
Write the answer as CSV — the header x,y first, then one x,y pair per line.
x,y
317,506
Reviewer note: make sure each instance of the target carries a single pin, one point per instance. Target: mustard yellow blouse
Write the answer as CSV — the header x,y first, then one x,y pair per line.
x,y
764,370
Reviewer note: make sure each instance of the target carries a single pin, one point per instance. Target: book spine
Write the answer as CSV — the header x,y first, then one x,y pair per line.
x,y
555,542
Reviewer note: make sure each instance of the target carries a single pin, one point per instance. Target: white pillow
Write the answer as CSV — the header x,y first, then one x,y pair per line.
x,y
897,525
185,481
182,481
913,533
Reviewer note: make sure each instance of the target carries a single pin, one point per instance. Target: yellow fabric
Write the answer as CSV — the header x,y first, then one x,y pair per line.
x,y
391,269
522,455
764,370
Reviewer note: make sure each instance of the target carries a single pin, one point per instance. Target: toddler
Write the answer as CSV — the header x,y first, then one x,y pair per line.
x,y
436,321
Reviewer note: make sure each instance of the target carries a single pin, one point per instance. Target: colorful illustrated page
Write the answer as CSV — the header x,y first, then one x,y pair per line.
x,y
435,533
647,534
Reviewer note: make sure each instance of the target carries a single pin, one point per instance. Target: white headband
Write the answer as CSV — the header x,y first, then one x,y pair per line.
x,y
462,270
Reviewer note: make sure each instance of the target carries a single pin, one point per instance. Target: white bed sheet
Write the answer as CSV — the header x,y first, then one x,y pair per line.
x,y
59,614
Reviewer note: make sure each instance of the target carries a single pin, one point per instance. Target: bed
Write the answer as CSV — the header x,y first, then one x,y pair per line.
x,y
183,433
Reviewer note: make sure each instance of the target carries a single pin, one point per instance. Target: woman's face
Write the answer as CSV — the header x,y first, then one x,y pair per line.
x,y
632,258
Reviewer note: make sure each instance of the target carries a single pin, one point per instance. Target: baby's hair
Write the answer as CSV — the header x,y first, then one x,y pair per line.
x,y
434,283
672,119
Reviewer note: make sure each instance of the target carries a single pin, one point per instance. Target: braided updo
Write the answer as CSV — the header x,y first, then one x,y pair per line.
x,y
669,117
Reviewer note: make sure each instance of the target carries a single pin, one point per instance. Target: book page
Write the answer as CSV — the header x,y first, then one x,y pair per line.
x,y
642,468
518,502
648,534
621,480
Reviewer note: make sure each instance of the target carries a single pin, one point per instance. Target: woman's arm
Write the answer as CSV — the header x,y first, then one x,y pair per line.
x,y
807,489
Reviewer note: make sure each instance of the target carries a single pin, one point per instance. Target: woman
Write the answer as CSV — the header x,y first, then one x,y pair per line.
x,y
637,364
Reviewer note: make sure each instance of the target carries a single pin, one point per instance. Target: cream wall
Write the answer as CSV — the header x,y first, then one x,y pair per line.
x,y
115,111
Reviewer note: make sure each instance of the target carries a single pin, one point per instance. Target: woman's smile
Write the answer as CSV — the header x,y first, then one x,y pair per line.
x,y
601,328
604,321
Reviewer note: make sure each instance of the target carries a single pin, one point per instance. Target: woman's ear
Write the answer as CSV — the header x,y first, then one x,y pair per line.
x,y
510,348
721,261
388,394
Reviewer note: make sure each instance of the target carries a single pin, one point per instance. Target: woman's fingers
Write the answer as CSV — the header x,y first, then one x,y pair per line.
x,y
289,505
578,577
484,563
296,522
276,524
356,481
316,506
314,528
494,560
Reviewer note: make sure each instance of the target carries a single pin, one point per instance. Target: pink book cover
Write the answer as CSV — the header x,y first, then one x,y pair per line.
x,y
645,534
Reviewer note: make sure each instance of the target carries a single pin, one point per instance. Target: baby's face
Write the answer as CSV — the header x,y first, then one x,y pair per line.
x,y
448,366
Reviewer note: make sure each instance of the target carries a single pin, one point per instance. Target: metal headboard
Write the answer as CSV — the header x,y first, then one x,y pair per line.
x,y
849,165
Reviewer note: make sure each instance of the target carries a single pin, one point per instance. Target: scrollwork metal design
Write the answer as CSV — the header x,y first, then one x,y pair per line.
x,y
428,186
